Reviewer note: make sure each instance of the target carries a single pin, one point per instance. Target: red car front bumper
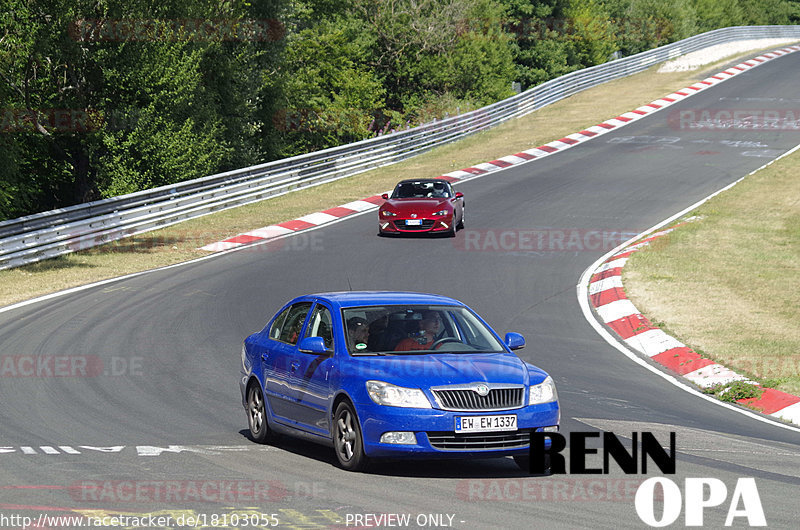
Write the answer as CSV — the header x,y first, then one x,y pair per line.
x,y
411,226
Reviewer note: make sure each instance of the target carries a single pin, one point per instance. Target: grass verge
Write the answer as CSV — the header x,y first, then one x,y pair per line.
x,y
725,284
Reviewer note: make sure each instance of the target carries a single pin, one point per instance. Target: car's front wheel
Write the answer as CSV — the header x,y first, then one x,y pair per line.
x,y
347,439
257,414
452,231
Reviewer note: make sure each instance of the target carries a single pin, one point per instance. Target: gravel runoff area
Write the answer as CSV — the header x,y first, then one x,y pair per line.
x,y
694,60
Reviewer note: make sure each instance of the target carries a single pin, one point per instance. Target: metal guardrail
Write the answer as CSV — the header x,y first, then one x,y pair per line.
x,y
49,234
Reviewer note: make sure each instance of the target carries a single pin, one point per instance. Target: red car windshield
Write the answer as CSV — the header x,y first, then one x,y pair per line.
x,y
421,190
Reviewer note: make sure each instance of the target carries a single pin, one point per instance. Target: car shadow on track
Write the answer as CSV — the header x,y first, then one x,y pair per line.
x,y
447,468
416,235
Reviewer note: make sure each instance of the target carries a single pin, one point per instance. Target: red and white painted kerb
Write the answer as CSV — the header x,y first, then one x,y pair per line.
x,y
372,203
297,225
615,310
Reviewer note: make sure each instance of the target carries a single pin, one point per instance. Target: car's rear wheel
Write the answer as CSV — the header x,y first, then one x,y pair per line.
x,y
347,440
257,414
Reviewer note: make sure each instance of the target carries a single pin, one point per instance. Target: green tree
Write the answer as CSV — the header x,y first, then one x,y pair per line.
x,y
766,12
591,32
793,11
646,24
331,94
713,14
540,48
47,85
426,52
106,97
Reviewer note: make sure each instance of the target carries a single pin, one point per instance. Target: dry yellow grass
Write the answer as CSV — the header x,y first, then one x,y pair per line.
x,y
725,284
180,242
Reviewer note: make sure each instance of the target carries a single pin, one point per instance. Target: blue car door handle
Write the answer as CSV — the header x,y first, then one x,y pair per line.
x,y
295,366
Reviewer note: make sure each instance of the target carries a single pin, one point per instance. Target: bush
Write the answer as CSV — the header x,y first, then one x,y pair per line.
x,y
735,391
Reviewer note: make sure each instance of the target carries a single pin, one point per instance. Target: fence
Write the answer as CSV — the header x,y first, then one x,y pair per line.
x,y
49,234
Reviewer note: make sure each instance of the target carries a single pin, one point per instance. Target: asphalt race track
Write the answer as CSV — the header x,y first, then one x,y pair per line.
x,y
122,399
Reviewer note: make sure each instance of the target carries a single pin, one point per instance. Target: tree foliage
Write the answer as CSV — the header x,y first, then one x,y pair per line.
x,y
107,97
104,97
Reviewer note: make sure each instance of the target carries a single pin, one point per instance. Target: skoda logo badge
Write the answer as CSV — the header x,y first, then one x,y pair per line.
x,y
482,390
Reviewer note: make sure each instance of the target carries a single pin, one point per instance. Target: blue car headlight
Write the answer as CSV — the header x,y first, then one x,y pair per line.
x,y
544,392
397,396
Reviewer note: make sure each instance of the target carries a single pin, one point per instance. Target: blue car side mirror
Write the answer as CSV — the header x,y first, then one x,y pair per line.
x,y
514,341
313,345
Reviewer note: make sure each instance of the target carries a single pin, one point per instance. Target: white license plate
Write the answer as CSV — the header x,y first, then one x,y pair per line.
x,y
413,222
507,422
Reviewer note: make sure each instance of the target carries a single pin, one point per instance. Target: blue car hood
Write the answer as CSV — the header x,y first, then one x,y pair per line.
x,y
426,370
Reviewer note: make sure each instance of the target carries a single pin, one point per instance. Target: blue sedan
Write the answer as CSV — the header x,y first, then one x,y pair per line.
x,y
393,375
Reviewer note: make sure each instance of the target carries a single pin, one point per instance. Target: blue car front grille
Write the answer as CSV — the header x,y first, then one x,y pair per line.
x,y
479,441
496,399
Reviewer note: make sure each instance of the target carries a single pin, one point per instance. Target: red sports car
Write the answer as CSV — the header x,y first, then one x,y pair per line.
x,y
422,205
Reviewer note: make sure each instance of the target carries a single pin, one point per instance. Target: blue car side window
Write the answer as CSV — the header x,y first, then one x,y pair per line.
x,y
292,324
277,324
321,325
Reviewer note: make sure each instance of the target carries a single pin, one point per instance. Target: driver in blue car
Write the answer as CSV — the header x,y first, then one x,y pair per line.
x,y
429,328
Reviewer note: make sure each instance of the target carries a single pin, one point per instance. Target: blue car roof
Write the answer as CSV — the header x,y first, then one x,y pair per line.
x,y
363,298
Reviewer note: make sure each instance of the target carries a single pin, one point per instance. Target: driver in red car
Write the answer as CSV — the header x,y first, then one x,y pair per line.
x,y
429,328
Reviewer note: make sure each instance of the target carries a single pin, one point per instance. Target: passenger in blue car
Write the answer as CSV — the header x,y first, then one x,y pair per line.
x,y
429,328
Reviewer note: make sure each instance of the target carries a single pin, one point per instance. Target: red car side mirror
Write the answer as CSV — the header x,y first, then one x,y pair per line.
x,y
385,196
459,195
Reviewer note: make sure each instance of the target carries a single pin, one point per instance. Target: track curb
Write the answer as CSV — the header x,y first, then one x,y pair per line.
x,y
612,307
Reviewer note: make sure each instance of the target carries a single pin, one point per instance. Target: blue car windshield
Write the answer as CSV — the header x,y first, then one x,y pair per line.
x,y
416,329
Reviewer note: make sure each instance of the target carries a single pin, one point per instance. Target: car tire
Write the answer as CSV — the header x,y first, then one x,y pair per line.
x,y
348,442
452,231
524,463
463,214
257,415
